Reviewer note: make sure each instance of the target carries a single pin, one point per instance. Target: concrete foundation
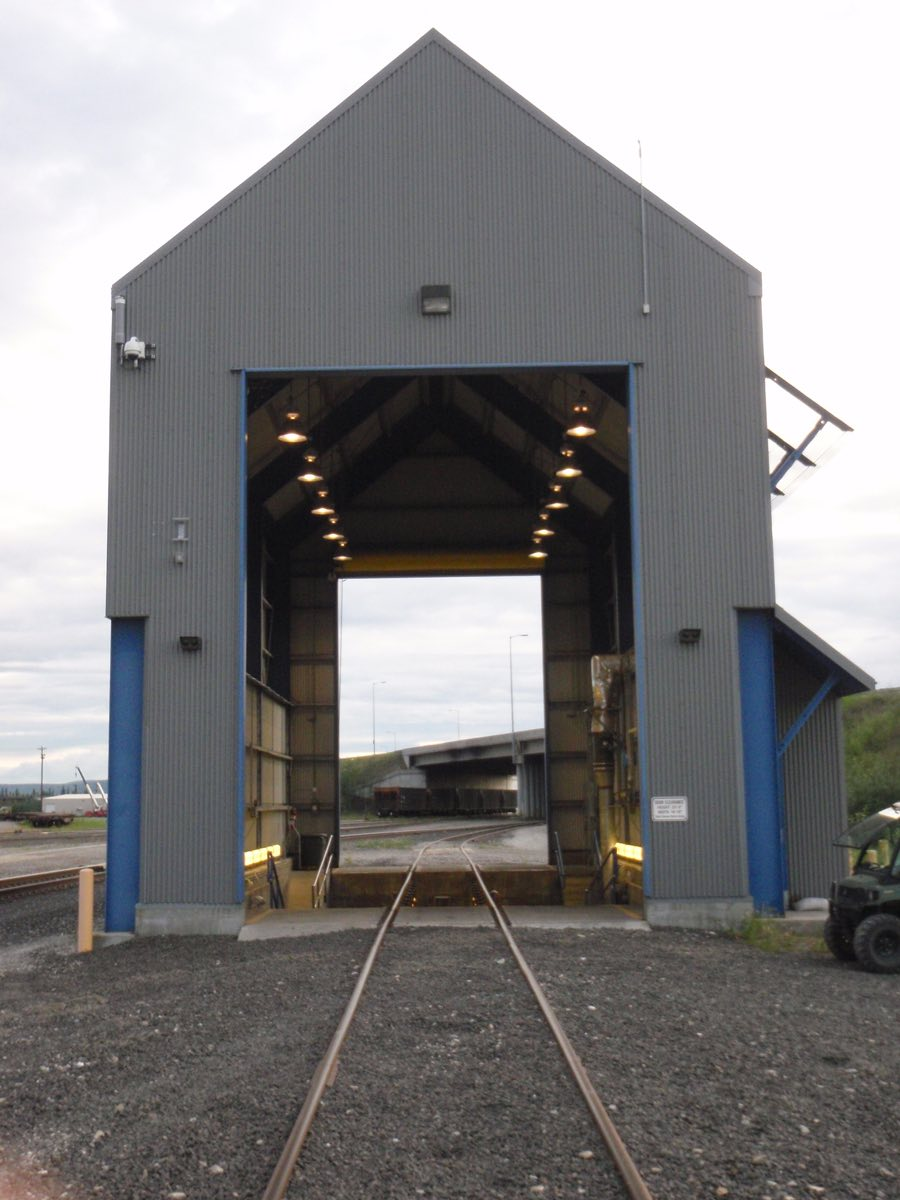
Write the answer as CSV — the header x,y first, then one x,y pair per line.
x,y
728,913
163,920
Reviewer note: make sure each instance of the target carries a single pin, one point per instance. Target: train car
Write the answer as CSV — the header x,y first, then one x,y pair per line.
x,y
443,802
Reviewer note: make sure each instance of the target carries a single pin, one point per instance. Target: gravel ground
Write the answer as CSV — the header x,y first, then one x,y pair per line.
x,y
176,1066
451,1086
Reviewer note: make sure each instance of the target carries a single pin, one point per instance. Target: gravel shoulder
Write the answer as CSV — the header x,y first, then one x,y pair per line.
x,y
168,1066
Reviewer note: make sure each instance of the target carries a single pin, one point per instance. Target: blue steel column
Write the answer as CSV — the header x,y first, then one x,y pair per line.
x,y
126,715
762,785
640,644
241,648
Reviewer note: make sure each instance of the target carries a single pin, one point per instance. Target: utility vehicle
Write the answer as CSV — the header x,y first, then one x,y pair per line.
x,y
864,909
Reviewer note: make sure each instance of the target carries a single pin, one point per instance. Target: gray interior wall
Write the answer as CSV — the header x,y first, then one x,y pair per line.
x,y
815,796
438,173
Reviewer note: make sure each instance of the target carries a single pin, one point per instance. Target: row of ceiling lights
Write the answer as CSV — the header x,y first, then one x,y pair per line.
x,y
579,426
291,434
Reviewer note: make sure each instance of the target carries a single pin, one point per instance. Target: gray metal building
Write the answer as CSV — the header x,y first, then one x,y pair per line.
x,y
425,286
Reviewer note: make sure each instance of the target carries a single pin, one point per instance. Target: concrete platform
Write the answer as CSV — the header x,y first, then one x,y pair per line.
x,y
284,924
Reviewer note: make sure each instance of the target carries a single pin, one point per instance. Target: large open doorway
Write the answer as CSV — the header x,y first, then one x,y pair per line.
x,y
443,473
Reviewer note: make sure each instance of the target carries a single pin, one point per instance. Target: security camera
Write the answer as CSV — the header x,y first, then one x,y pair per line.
x,y
134,351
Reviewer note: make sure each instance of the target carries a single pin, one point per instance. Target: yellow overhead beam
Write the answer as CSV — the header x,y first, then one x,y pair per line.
x,y
437,562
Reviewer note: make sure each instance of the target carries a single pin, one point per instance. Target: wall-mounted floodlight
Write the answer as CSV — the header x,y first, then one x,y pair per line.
x,y
190,643
689,637
434,299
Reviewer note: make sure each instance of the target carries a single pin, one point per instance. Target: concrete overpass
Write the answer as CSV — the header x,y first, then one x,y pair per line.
x,y
485,762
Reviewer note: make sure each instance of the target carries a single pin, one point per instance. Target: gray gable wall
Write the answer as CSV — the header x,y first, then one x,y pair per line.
x,y
435,172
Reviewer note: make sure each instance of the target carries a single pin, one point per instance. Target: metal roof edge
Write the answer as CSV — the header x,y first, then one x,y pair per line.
x,y
282,157
855,679
595,157
432,37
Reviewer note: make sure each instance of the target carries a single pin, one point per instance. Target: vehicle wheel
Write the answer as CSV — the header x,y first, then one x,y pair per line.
x,y
877,943
839,940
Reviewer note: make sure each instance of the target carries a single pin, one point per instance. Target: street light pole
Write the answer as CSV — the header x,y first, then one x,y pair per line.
x,y
374,686
43,750
512,711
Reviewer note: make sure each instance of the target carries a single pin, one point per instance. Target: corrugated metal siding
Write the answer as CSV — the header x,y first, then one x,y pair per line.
x,y
815,798
705,545
437,175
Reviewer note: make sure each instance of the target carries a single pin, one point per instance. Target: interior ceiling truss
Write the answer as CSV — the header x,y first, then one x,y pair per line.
x,y
512,426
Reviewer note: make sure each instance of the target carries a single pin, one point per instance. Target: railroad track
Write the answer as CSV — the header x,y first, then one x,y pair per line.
x,y
44,881
633,1184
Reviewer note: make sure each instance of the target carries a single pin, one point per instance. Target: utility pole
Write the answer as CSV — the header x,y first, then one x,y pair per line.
x,y
512,711
374,686
43,750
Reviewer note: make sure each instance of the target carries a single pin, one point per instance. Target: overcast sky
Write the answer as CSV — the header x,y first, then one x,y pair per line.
x,y
771,125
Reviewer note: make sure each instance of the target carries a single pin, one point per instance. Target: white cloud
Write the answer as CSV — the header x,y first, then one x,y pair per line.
x,y
770,125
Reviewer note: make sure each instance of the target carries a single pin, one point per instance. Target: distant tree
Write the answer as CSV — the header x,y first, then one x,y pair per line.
x,y
872,751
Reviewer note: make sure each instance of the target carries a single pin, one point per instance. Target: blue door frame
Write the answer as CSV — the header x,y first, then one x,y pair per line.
x,y
126,717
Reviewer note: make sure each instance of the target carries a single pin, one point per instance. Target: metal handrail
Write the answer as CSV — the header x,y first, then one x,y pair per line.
x,y
323,875
612,853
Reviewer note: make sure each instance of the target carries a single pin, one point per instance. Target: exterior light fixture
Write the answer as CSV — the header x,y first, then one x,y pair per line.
x,y
689,637
190,643
290,432
580,426
310,477
434,300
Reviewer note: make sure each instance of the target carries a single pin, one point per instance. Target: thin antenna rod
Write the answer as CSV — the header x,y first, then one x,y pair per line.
x,y
645,304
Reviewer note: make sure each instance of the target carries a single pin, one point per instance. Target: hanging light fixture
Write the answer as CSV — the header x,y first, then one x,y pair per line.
x,y
542,531
290,432
342,558
580,424
310,476
537,551
556,502
567,468
333,535
323,510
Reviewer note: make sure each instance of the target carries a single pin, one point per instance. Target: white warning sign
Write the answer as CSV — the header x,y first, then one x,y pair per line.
x,y
669,808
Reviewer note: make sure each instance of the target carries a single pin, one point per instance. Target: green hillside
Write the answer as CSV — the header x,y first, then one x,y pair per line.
x,y
360,773
872,748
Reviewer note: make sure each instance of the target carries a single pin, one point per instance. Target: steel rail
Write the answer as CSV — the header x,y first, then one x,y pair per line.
x,y
37,881
624,1163
284,1169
